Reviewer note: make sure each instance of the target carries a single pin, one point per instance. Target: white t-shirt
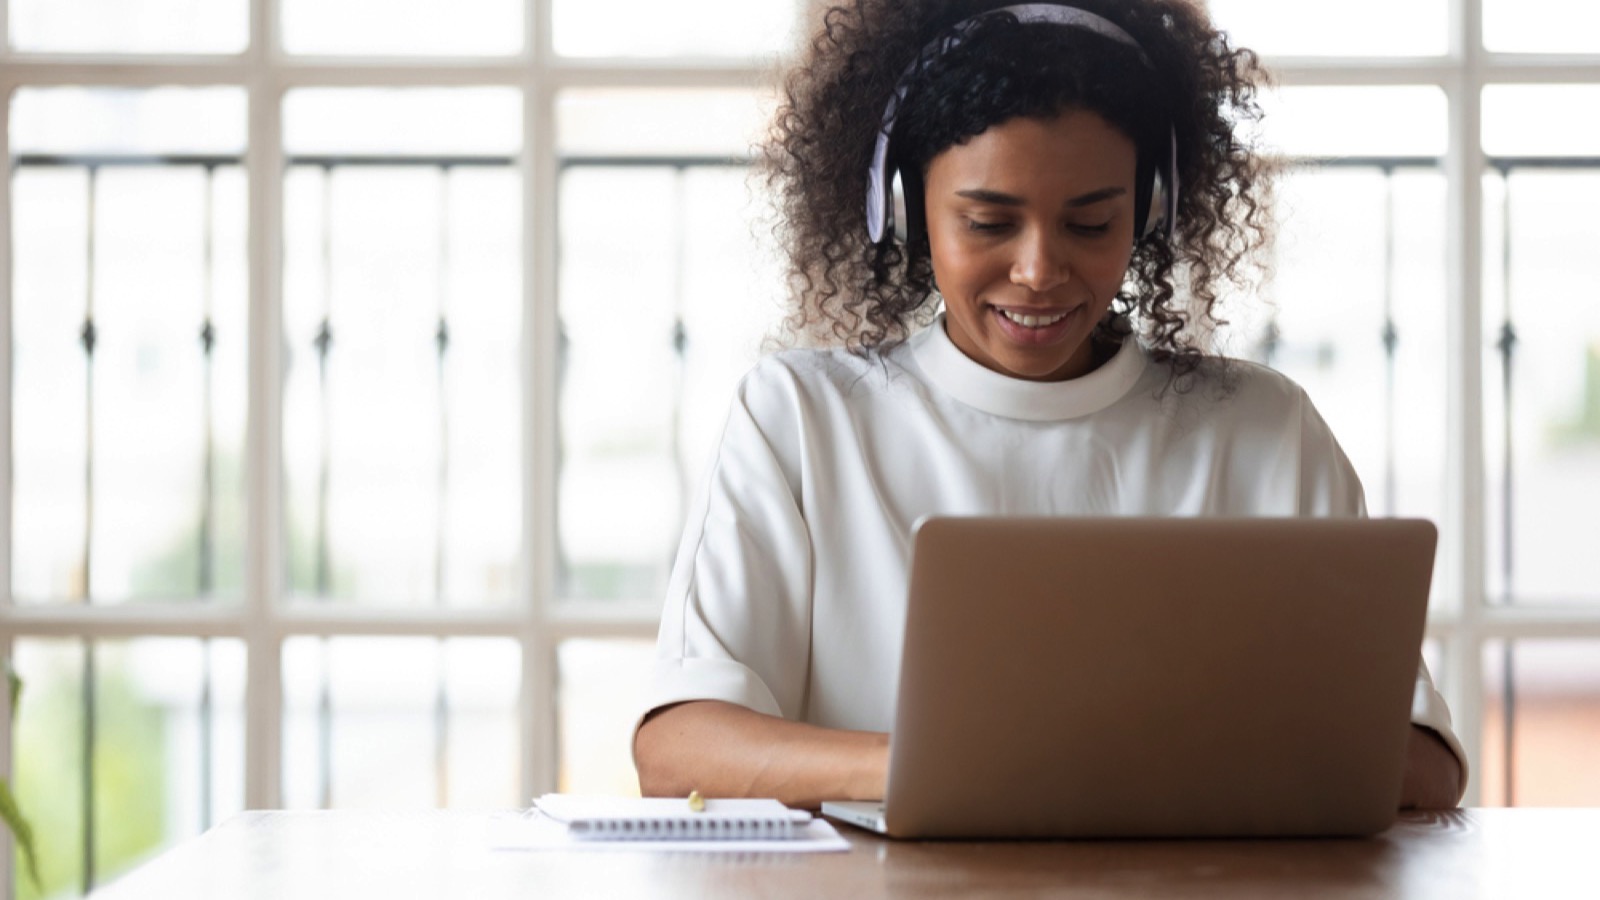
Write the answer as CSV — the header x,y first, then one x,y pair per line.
x,y
789,591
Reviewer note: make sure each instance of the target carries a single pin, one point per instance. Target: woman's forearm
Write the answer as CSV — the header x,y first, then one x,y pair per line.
x,y
724,750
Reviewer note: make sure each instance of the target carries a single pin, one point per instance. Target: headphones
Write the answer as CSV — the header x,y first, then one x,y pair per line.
x,y
889,186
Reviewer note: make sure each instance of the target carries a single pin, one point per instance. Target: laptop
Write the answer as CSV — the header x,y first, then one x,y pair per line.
x,y
1111,678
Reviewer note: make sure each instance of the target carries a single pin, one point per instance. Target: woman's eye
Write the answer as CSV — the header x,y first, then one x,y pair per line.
x,y
986,227
1103,228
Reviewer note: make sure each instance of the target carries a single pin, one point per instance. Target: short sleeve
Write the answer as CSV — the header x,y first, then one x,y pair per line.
x,y
736,623
1428,710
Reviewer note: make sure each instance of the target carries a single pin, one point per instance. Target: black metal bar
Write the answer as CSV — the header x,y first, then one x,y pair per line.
x,y
325,727
323,160
1510,163
442,385
680,341
324,575
1391,343
216,160
1387,163
654,162
1507,347
324,344
206,576
1439,162
207,719
441,699
89,338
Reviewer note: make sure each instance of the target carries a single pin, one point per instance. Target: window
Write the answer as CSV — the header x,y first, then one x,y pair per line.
x,y
357,360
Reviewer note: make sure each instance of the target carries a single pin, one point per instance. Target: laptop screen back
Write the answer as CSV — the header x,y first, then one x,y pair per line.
x,y
1157,677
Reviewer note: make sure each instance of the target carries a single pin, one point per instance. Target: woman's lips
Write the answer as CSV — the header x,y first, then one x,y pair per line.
x,y
1038,334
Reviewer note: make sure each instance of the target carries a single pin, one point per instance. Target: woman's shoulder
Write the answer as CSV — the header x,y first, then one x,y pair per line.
x,y
1239,391
1253,380
1222,379
821,373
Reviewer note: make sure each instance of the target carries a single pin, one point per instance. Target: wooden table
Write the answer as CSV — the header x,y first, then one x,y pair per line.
x,y
1480,853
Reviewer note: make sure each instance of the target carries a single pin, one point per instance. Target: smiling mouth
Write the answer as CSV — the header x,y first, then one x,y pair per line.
x,y
1029,320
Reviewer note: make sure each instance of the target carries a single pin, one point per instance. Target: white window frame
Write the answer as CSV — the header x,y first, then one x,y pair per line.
x,y
538,623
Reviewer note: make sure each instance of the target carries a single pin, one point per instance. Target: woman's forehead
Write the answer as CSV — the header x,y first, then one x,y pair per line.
x,y
1075,151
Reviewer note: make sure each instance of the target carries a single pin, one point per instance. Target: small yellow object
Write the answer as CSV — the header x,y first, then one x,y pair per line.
x,y
697,803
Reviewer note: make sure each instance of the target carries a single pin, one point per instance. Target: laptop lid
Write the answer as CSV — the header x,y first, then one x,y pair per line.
x,y
1157,677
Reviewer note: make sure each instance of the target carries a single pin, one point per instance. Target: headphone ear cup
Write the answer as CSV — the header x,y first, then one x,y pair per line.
x,y
1156,217
1162,215
898,214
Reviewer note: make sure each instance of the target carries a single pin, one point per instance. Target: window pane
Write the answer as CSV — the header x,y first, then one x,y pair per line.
x,y
1554,722
1542,402
403,27
678,122
143,437
687,28
483,743
687,314
130,26
1315,121
601,688
400,722
1353,28
697,295
133,121
402,308
168,748
622,479
1541,26
47,767
403,121
1542,406
1540,120
1355,311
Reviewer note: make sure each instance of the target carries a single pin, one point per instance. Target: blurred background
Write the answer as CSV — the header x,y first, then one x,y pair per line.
x,y
358,358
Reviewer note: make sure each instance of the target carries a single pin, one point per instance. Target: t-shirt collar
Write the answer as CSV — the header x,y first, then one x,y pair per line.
x,y
963,378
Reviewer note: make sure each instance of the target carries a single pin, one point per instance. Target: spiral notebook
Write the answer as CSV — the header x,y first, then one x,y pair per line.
x,y
671,819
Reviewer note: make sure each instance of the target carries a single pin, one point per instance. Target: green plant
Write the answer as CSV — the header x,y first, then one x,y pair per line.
x,y
9,810
1584,427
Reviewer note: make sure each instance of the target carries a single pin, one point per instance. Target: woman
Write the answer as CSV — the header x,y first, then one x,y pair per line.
x,y
1064,168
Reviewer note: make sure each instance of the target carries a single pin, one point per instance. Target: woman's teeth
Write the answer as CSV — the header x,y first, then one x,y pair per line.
x,y
1034,321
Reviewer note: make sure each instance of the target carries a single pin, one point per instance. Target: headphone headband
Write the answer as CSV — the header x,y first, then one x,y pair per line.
x,y
879,176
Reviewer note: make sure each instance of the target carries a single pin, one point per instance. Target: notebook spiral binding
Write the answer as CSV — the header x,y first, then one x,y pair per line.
x,y
710,829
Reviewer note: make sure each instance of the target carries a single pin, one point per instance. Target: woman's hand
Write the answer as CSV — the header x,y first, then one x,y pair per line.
x,y
1433,774
724,750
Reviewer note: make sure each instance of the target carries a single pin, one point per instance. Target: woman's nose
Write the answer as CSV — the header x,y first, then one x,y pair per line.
x,y
1040,263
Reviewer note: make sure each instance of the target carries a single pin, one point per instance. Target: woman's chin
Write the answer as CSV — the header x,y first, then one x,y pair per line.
x,y
1061,365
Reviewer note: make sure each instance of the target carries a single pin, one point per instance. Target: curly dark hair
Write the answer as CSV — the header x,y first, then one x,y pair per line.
x,y
868,297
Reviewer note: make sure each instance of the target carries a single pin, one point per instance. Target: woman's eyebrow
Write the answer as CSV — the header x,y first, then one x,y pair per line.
x,y
1001,199
1099,196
